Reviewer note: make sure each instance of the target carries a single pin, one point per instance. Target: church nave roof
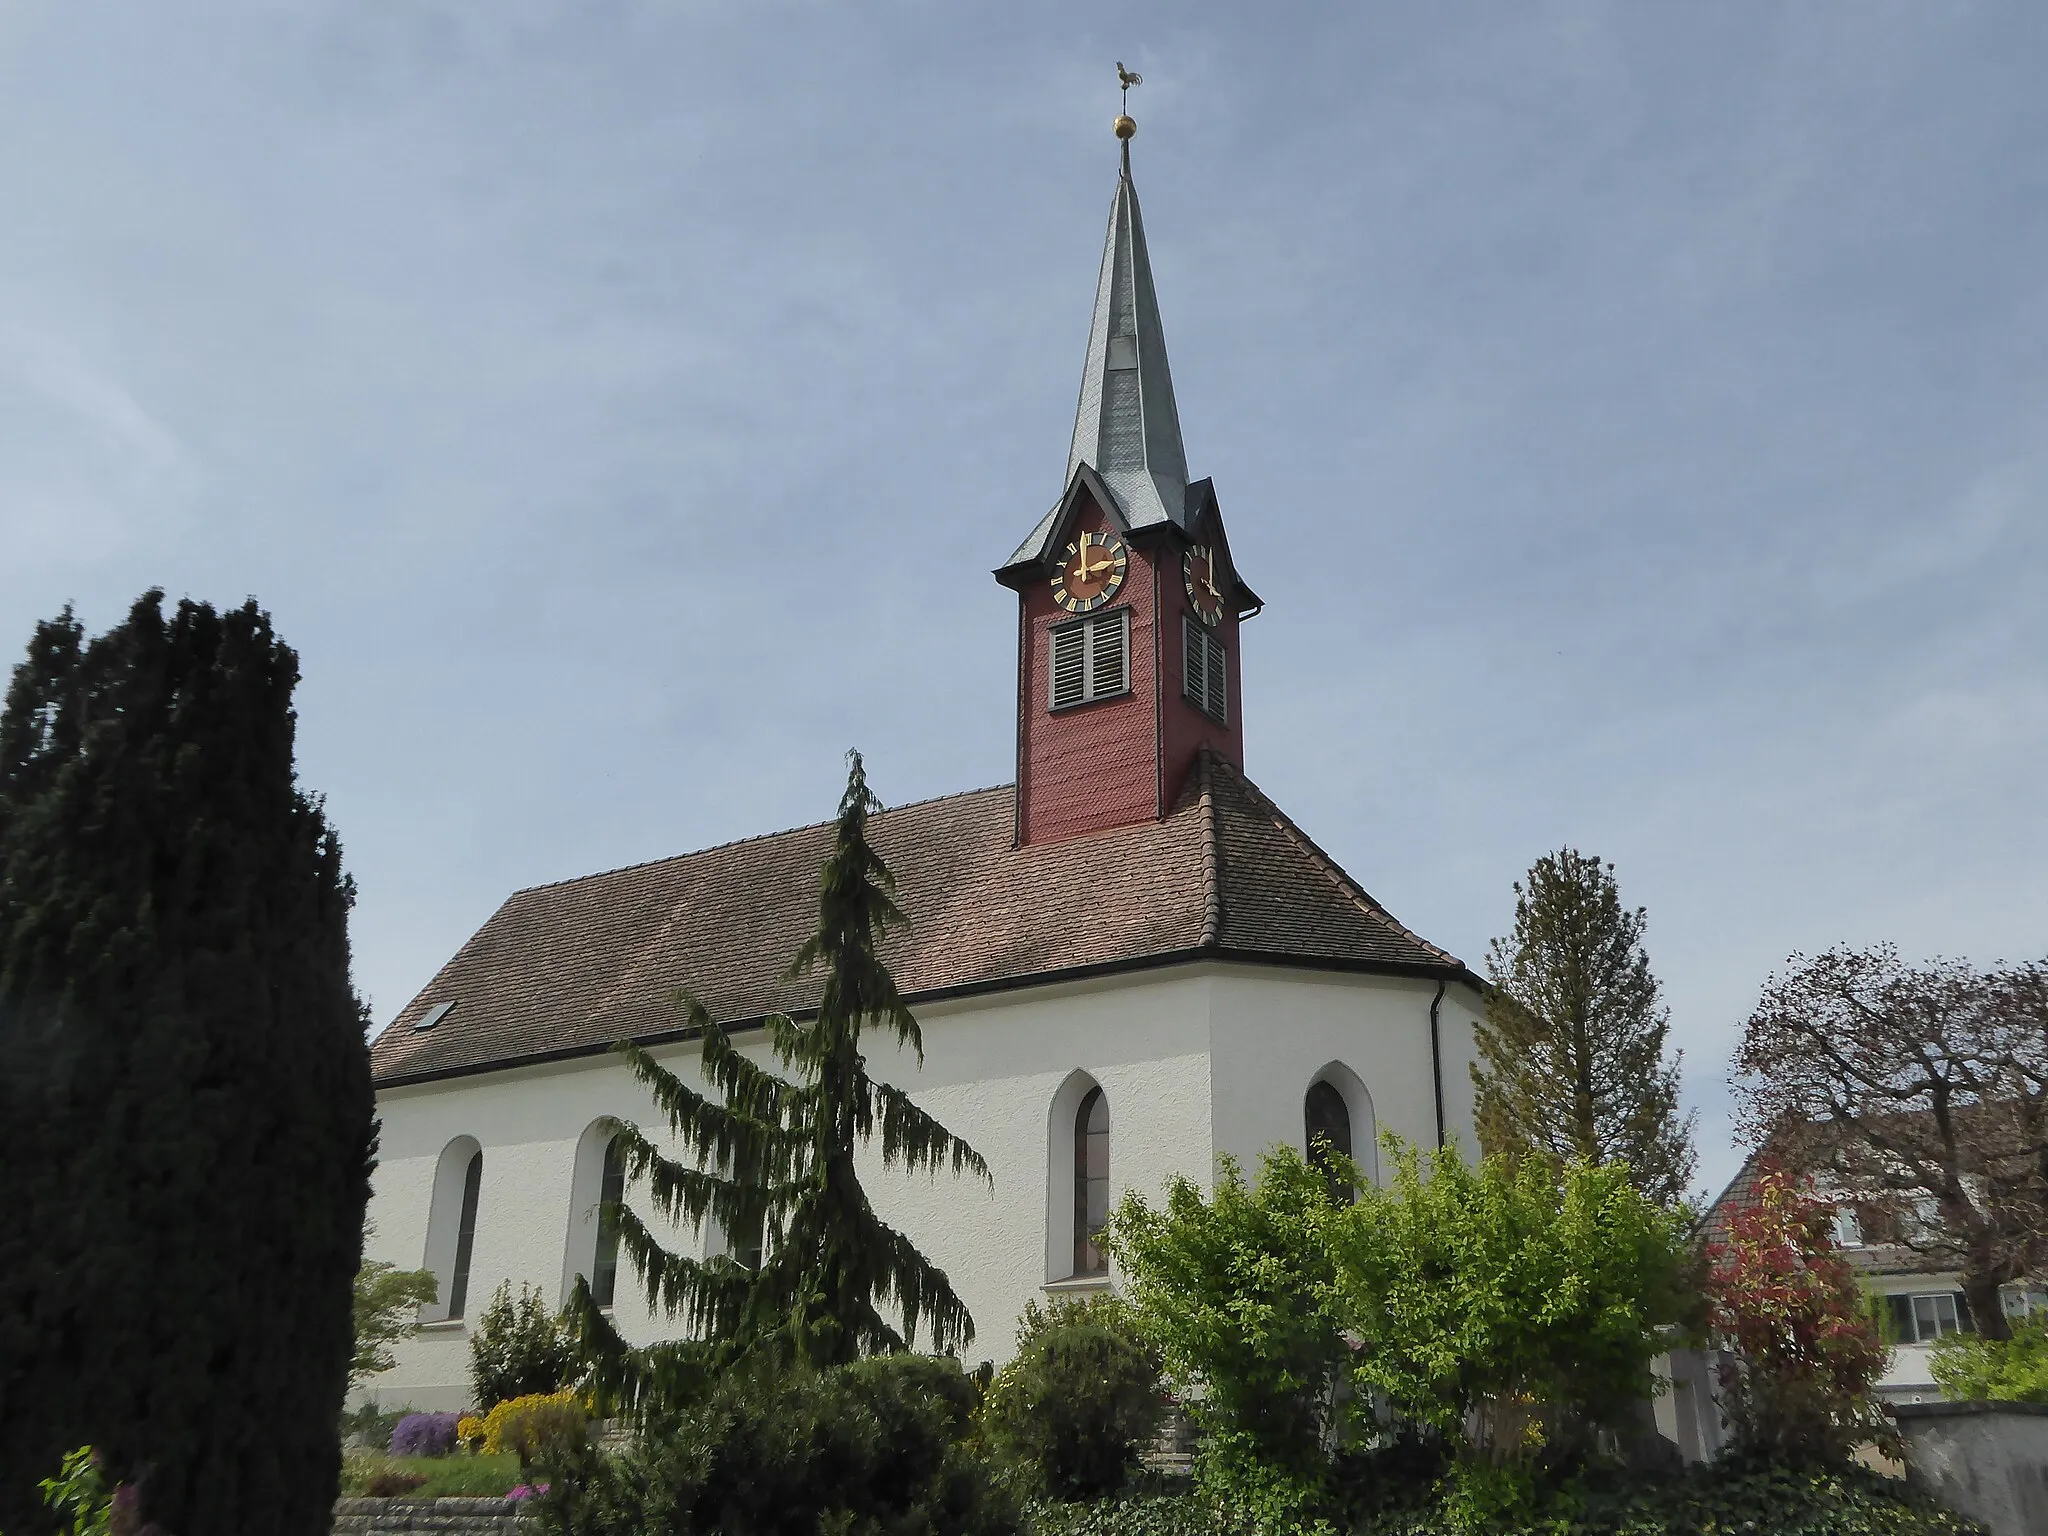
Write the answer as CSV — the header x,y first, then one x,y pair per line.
x,y
566,969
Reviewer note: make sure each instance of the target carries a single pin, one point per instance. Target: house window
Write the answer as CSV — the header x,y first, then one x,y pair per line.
x,y
1091,1183
604,1267
465,1235
1205,671
744,1248
1848,1230
1091,659
1923,1319
2023,1302
1327,1123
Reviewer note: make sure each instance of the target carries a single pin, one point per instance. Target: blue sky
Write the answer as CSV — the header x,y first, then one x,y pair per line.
x,y
1634,416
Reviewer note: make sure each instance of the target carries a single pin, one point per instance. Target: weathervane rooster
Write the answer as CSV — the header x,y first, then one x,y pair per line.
x,y
1128,77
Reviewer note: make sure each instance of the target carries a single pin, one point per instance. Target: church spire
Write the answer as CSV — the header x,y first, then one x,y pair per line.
x,y
1126,428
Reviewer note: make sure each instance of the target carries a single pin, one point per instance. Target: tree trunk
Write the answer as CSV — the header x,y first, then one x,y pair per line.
x,y
1987,1309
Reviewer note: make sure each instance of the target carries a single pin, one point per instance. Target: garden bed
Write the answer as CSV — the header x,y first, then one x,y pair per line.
x,y
450,1517
457,1476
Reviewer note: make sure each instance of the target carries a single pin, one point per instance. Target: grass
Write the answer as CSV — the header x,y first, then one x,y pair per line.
x,y
458,1476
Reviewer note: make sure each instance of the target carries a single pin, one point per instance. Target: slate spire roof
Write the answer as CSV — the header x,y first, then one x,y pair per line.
x,y
1126,428
564,970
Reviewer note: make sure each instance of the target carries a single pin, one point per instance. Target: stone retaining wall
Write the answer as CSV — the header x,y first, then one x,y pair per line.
x,y
450,1517
1986,1460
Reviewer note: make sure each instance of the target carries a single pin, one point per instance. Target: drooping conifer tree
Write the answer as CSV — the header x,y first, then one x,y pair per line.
x,y
185,1103
772,1165
1572,1049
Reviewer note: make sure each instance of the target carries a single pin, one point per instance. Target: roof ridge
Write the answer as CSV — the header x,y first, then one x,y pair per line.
x,y
758,837
1335,873
1212,854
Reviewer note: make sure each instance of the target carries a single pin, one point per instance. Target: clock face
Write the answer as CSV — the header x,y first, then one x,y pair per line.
x,y
1095,567
1206,580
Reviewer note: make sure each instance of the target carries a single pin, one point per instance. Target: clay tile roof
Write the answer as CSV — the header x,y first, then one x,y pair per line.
x,y
567,969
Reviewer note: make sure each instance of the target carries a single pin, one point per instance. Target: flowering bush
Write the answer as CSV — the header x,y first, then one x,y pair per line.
x,y
424,1434
534,1425
527,1491
469,1429
1808,1354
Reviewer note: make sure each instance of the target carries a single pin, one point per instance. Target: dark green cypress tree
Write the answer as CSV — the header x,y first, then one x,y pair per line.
x,y
776,1158
185,1103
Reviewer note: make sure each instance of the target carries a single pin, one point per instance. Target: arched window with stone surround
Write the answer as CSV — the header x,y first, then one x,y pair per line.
x,y
604,1264
465,1234
1326,1124
1091,1183
1337,1118
451,1227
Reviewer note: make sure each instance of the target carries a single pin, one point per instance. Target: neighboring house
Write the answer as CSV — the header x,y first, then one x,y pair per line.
x,y
1127,964
1922,1296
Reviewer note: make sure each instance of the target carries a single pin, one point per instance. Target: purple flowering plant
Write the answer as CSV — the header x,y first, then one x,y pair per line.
x,y
424,1434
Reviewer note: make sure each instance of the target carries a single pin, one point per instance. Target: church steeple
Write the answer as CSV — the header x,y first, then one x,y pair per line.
x,y
1126,428
1128,603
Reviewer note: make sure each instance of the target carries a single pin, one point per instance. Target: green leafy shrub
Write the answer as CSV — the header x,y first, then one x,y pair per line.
x,y
370,1425
1158,1515
1074,1409
1716,1500
2014,1370
1237,1293
1807,1355
519,1349
1503,1312
387,1304
79,1493
878,1446
1728,1500
1510,1307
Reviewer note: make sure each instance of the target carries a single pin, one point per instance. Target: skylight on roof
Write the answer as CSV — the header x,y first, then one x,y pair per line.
x,y
433,1016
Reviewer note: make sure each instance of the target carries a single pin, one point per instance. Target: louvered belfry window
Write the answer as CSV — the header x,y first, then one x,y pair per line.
x,y
1205,670
1091,659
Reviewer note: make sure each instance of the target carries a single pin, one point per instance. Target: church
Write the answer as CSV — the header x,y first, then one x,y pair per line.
x,y
1127,964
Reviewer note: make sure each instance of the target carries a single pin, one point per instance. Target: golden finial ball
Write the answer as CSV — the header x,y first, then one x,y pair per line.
x,y
1125,127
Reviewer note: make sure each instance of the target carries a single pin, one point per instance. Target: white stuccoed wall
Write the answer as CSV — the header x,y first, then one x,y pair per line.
x,y
1194,1061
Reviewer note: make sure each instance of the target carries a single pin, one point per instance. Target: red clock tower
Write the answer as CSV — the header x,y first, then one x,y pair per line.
x,y
1128,603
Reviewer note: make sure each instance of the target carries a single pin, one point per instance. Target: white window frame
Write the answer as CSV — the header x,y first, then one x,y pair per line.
x,y
1097,634
1938,1302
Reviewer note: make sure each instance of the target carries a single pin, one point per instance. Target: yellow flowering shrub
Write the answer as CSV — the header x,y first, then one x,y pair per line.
x,y
539,1422
469,1429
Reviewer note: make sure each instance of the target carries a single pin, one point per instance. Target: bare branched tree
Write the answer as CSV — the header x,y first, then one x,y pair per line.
x,y
1922,1092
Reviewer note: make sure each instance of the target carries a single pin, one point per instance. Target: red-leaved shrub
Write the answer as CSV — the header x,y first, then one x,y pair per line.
x,y
1807,1354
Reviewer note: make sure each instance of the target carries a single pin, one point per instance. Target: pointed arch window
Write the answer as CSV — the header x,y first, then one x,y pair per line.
x,y
465,1235
1327,1125
604,1266
1091,1183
